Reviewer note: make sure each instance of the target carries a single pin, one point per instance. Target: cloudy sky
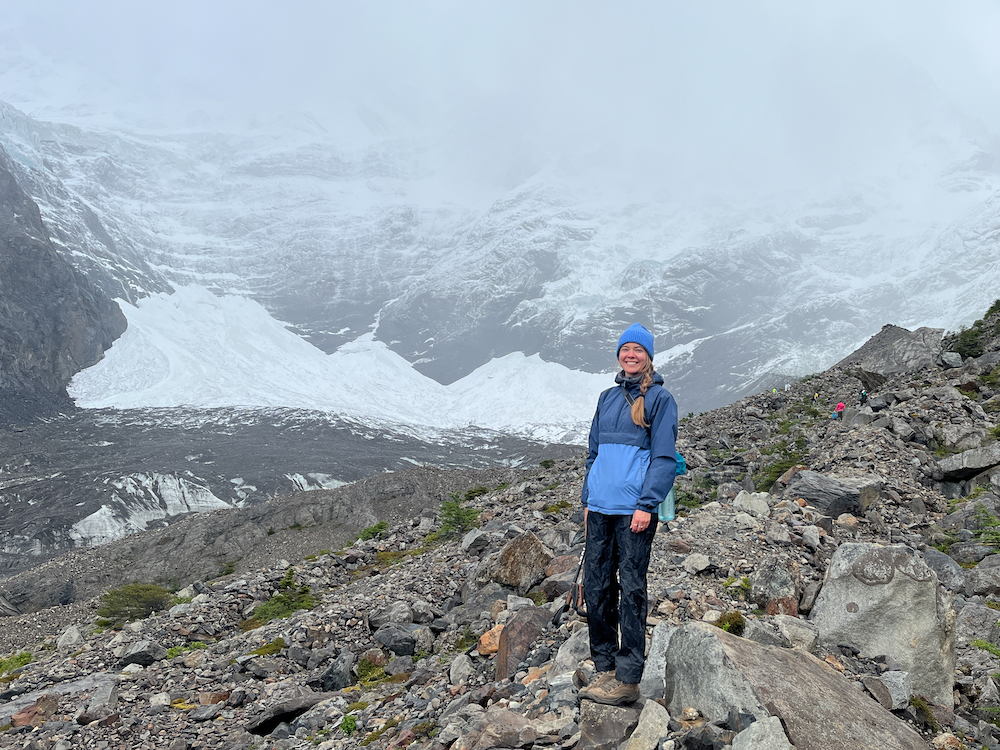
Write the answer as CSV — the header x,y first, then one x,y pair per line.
x,y
724,91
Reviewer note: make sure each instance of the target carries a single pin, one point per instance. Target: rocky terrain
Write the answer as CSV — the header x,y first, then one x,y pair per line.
x,y
85,477
827,583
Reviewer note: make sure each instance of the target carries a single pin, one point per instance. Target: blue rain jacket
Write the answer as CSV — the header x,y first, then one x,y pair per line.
x,y
630,467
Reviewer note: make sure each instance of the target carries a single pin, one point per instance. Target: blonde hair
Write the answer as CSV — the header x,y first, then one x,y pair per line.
x,y
639,405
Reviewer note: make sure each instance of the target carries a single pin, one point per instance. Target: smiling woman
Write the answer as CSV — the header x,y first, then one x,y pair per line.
x,y
631,465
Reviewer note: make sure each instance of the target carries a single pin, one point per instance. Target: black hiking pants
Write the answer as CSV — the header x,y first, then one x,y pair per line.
x,y
614,585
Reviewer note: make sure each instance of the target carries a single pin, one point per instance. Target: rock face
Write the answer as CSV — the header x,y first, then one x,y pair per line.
x,y
885,600
53,322
716,673
895,349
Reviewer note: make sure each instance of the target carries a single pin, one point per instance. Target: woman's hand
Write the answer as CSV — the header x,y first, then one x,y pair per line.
x,y
640,521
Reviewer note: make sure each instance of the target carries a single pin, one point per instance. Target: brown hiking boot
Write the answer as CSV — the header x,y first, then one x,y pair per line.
x,y
598,679
612,692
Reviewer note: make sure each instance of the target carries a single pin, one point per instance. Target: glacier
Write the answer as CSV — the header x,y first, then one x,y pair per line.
x,y
194,349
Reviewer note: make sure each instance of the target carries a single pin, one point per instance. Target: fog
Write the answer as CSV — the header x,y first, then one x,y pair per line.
x,y
681,97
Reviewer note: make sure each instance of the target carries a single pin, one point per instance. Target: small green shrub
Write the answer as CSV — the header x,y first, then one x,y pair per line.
x,y
986,646
348,725
988,532
372,532
732,622
291,599
475,492
547,463
922,707
133,601
455,519
272,648
357,706
14,661
557,506
175,651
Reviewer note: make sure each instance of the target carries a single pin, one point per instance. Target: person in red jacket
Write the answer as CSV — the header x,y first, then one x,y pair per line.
x,y
840,410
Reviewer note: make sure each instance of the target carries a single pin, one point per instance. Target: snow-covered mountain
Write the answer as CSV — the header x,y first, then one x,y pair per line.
x,y
361,244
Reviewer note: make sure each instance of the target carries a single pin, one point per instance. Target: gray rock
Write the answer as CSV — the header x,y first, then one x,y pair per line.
x,y
461,669
397,612
834,495
950,574
654,724
715,672
754,503
653,680
951,359
763,734
774,586
143,653
70,637
475,542
340,673
976,622
521,564
574,650
400,639
900,688
969,552
696,562
765,632
799,633
885,600
967,463
605,727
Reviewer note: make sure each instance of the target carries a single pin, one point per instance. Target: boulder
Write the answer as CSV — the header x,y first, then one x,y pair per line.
x,y
766,734
774,586
654,724
971,462
653,682
885,600
754,503
574,650
395,612
605,727
339,674
834,495
518,634
716,673
950,574
143,653
976,622
521,564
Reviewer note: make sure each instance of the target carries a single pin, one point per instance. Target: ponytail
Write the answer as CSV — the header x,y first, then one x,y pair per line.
x,y
639,405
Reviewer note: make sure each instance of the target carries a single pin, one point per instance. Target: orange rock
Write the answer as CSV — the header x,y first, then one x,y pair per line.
x,y
800,502
37,713
833,662
208,699
489,643
534,673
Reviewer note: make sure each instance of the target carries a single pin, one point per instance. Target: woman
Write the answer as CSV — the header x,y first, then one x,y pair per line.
x,y
630,470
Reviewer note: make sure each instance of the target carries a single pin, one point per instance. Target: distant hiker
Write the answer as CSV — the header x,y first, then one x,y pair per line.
x,y
635,427
787,387
864,397
774,391
839,411
816,397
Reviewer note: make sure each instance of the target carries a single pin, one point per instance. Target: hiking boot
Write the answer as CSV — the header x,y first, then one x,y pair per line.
x,y
590,683
612,692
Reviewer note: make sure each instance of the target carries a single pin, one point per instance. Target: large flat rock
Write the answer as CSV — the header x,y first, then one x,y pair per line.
x,y
714,671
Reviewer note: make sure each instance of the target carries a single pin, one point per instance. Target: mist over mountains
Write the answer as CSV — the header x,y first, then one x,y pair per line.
x,y
340,243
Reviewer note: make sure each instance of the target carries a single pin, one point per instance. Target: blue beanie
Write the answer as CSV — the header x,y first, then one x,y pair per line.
x,y
636,334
